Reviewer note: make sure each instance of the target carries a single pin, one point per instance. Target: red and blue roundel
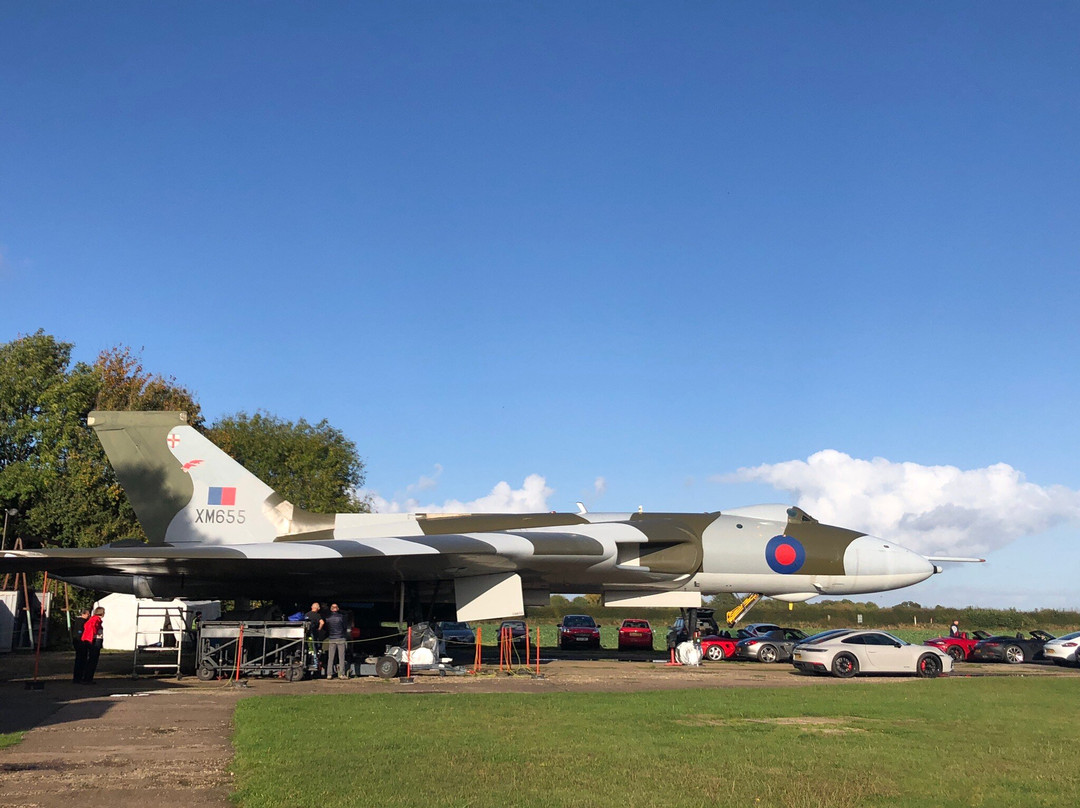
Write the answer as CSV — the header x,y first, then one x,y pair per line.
x,y
785,554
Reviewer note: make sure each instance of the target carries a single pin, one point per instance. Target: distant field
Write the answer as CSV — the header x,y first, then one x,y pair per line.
x,y
947,742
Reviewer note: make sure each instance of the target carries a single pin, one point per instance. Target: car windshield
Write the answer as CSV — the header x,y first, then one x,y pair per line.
x,y
578,621
635,624
825,635
877,638
455,626
1072,636
513,624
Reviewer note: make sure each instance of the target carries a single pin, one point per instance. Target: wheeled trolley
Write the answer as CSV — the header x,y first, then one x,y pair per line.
x,y
263,649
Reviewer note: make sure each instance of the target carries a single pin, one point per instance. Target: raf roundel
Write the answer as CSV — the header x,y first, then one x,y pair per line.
x,y
785,554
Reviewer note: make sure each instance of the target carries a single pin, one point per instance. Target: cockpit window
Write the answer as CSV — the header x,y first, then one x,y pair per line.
x,y
799,515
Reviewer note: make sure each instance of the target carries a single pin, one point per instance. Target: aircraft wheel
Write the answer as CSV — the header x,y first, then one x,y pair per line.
x,y
928,666
844,666
294,673
1014,654
386,667
206,672
714,653
956,652
768,653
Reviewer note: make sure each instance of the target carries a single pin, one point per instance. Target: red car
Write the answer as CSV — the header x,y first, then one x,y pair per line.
x,y
635,634
578,629
960,646
718,648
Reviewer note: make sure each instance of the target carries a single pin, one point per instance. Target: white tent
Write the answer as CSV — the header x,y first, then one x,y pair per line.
x,y
126,615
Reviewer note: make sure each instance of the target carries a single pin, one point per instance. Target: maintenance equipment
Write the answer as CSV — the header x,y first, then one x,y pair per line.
x,y
228,648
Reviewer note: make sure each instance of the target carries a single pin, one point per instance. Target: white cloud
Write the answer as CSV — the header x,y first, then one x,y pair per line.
x,y
599,486
532,497
426,483
940,510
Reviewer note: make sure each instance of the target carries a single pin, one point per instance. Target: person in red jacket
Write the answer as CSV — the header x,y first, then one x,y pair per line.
x,y
92,638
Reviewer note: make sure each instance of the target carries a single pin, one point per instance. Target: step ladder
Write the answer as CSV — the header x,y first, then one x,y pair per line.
x,y
160,633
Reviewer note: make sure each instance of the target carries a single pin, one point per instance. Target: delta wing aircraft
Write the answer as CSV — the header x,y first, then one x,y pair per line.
x,y
217,531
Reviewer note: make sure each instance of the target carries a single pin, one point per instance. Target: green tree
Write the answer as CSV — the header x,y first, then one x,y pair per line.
x,y
52,467
313,466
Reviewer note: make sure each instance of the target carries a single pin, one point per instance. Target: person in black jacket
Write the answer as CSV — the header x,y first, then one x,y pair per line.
x,y
335,642
81,648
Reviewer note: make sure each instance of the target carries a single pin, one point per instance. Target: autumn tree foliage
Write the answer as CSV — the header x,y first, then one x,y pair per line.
x,y
126,385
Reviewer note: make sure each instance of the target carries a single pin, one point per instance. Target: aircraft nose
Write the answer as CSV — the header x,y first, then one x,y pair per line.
x,y
870,555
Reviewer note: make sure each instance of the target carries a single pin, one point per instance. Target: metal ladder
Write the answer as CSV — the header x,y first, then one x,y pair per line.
x,y
160,632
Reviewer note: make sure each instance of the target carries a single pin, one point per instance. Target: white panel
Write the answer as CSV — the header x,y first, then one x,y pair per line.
x,y
488,597
8,604
643,600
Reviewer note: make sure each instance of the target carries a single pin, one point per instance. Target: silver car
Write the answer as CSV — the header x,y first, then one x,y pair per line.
x,y
772,646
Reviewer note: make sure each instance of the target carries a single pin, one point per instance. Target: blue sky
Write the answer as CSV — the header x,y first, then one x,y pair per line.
x,y
622,250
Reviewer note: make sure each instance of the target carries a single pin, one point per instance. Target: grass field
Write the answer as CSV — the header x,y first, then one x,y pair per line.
x,y
947,742
10,739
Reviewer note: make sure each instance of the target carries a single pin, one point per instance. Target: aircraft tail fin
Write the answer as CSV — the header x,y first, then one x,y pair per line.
x,y
186,490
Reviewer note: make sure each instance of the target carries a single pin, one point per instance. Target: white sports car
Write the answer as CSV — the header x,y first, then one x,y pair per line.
x,y
1062,650
849,653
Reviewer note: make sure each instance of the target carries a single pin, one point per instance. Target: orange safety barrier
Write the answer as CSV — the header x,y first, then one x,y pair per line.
x,y
476,650
239,652
673,661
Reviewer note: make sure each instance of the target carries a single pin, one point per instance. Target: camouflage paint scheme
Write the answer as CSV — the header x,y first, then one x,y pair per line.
x,y
215,530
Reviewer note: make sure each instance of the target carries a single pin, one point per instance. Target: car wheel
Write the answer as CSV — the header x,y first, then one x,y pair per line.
x,y
929,666
768,653
714,653
386,667
1014,654
956,652
844,666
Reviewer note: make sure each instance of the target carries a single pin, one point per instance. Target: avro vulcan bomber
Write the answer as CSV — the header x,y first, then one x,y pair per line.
x,y
217,531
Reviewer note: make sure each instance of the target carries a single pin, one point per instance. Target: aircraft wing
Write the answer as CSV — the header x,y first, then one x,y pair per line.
x,y
412,556
347,568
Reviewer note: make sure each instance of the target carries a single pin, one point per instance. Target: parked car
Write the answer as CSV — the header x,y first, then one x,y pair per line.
x,y
578,630
519,632
1062,650
717,648
456,633
772,646
753,629
706,627
960,646
1014,650
847,653
634,633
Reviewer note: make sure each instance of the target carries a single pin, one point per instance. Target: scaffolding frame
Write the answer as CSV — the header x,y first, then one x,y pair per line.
x,y
251,648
